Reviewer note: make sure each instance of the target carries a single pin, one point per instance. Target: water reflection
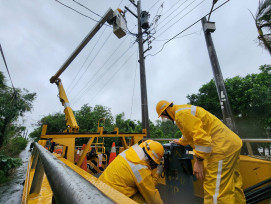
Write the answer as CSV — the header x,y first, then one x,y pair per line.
x,y
11,192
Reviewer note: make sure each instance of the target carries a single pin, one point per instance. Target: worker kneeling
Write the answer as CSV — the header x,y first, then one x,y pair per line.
x,y
131,172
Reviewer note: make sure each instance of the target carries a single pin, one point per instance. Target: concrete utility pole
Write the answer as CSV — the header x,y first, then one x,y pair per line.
x,y
220,86
144,100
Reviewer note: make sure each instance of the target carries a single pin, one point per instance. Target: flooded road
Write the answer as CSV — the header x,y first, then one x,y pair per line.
x,y
11,192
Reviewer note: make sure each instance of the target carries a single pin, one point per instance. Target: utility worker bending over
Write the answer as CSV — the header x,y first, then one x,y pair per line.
x,y
213,142
131,172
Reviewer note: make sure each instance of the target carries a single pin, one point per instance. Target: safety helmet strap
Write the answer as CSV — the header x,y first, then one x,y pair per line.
x,y
152,163
166,114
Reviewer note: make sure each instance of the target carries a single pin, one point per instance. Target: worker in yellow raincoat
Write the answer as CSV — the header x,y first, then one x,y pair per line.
x,y
214,144
131,172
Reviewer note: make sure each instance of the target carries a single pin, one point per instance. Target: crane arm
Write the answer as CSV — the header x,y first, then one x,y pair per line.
x,y
71,123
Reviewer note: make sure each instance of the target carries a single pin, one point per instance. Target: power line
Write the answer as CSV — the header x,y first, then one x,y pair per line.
x,y
87,8
172,7
180,18
90,85
76,11
2,52
186,29
127,31
183,35
213,4
86,60
173,11
153,5
120,3
92,60
113,76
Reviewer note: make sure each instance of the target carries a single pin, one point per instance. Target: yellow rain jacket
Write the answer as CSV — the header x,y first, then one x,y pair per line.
x,y
130,173
210,138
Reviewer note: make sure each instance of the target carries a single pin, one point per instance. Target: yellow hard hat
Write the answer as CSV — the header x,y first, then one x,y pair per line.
x,y
161,106
154,149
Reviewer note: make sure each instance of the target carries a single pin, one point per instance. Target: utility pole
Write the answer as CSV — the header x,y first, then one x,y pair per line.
x,y
209,27
144,100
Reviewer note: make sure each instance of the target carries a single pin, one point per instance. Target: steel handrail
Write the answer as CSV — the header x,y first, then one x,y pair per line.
x,y
66,184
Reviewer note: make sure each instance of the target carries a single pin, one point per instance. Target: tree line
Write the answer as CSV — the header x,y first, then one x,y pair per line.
x,y
249,96
14,103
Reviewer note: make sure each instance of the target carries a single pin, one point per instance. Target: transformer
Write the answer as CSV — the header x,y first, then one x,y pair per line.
x,y
145,20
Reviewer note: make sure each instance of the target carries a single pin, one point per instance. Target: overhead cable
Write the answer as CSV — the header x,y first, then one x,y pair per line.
x,y
173,12
2,52
153,5
171,7
213,4
85,60
87,8
99,91
186,29
89,86
92,60
183,35
120,3
180,18
76,11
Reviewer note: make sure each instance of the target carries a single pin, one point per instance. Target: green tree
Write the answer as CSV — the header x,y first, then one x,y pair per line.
x,y
263,23
55,123
250,99
14,104
87,118
168,129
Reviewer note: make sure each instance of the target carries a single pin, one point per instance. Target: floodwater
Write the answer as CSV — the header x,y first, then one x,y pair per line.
x,y
11,192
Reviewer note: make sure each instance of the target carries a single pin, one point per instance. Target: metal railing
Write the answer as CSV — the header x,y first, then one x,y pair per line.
x,y
67,186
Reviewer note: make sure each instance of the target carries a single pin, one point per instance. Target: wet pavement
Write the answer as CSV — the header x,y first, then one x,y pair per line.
x,y
11,192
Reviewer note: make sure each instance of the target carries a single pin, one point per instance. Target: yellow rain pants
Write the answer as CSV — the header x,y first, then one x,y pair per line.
x,y
218,146
223,182
130,174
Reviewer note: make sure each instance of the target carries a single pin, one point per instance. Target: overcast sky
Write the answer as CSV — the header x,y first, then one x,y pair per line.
x,y
38,36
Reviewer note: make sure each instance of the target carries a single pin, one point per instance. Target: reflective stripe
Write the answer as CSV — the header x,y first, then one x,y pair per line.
x,y
139,151
163,106
155,154
206,149
183,138
181,109
135,167
192,108
66,105
218,179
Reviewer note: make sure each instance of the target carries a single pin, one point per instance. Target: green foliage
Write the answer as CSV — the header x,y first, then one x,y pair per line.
x,y
250,99
263,23
19,143
14,104
7,164
14,146
165,129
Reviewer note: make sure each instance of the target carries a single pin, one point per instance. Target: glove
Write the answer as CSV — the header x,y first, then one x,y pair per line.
x,y
160,169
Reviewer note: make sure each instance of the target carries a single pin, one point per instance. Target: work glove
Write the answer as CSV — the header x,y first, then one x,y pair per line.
x,y
160,169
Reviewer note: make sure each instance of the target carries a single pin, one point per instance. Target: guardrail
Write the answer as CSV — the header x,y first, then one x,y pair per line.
x,y
67,186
